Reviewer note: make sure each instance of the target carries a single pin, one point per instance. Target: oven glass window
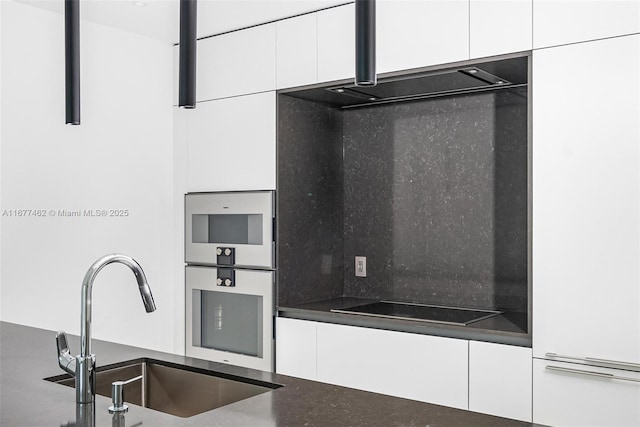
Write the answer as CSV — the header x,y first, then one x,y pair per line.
x,y
231,322
232,228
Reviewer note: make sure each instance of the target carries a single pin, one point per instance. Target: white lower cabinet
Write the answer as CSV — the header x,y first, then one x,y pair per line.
x,y
568,394
420,367
500,380
296,348
490,378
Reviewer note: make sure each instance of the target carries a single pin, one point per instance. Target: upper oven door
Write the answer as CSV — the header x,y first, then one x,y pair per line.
x,y
230,229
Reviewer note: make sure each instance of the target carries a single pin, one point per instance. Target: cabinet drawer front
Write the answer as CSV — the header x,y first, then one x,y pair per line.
x,y
500,380
296,348
577,396
420,367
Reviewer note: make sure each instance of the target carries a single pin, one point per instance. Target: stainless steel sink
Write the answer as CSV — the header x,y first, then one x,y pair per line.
x,y
174,389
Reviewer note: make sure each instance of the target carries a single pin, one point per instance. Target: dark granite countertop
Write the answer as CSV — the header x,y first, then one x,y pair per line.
x,y
508,328
27,355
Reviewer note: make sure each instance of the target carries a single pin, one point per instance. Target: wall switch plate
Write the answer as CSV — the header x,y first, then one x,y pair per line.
x,y
361,266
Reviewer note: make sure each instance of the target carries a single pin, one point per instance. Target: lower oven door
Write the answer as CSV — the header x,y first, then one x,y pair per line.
x,y
230,324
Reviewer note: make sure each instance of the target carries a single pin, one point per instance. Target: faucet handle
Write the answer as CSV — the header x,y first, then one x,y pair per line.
x,y
61,342
65,360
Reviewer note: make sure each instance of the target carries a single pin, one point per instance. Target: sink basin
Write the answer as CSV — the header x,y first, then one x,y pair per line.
x,y
174,389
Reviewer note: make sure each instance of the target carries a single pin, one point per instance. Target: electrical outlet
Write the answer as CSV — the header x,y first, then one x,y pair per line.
x,y
361,266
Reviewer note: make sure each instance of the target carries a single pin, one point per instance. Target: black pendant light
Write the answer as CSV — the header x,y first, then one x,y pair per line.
x,y
72,61
187,76
366,43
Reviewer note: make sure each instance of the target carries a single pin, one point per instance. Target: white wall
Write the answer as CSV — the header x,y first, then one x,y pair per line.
x,y
121,157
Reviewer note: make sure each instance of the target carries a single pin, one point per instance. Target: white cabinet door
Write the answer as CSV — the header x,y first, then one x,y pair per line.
x,y
499,26
557,22
586,192
500,380
420,367
570,398
297,53
336,43
296,348
232,144
237,63
220,16
413,34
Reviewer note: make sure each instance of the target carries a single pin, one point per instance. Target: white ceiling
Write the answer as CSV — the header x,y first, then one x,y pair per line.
x,y
159,19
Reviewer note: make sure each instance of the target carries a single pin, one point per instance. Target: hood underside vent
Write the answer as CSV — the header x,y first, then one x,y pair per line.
x,y
479,77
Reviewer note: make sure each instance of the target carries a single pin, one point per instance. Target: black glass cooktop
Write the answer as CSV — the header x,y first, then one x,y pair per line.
x,y
420,312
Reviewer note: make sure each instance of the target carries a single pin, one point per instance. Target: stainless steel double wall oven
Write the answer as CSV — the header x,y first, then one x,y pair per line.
x,y
230,257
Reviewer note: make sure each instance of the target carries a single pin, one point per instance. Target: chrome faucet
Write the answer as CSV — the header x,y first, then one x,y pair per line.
x,y
82,366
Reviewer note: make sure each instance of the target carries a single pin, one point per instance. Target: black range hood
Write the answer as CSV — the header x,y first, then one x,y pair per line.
x,y
478,77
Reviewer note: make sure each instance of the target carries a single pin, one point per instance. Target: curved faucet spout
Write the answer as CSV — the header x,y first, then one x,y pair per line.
x,y
87,285
84,367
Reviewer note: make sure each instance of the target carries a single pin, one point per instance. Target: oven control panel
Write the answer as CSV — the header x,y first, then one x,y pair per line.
x,y
226,277
225,256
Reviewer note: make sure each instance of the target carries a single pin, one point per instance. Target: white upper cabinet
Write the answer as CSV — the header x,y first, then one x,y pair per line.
x,y
557,22
296,49
499,26
586,195
500,380
238,63
413,34
221,16
336,43
231,144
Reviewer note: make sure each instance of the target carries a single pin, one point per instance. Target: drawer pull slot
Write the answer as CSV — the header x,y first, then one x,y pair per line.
x,y
635,366
592,373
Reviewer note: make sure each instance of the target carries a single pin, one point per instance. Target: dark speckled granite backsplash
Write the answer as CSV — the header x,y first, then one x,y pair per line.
x,y
310,206
436,199
433,193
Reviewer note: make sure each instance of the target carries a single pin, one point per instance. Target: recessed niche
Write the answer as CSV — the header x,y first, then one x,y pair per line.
x,y
427,178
